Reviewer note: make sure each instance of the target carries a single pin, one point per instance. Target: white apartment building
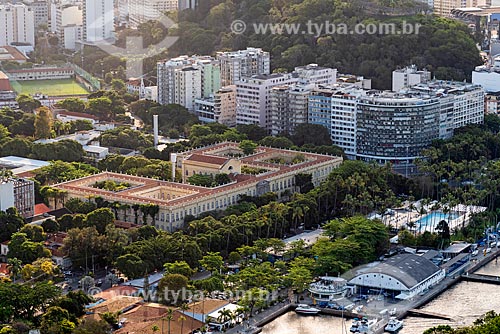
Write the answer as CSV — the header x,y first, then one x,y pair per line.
x,y
140,11
468,100
98,20
18,24
71,35
166,78
488,76
18,193
66,20
187,86
384,126
335,107
253,97
315,74
289,107
408,77
170,90
243,63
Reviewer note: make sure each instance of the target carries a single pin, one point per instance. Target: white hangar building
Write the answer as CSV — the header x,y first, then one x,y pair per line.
x,y
402,276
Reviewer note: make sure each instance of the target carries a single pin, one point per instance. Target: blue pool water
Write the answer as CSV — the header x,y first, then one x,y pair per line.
x,y
433,218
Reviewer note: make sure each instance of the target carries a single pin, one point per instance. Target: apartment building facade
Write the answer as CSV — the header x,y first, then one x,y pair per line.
x,y
18,24
18,193
395,128
289,107
408,77
253,97
184,79
236,65
98,20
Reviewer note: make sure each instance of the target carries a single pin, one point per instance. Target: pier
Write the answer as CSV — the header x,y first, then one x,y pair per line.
x,y
481,278
426,314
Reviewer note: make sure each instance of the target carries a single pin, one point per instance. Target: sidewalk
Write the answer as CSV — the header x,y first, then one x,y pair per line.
x,y
257,320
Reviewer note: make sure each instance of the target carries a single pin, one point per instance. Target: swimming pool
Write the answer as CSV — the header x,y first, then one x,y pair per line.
x,y
433,218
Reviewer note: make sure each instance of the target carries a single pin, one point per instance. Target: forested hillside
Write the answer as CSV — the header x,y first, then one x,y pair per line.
x,y
444,46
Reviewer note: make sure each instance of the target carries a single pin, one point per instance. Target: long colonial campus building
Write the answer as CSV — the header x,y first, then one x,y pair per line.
x,y
267,170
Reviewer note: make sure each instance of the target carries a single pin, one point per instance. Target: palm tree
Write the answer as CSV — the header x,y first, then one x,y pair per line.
x,y
155,328
224,316
297,214
239,312
169,317
182,319
184,307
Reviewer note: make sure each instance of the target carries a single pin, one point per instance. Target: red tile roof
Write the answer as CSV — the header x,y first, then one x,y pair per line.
x,y
208,159
50,69
195,194
57,237
77,114
13,52
115,292
41,208
4,270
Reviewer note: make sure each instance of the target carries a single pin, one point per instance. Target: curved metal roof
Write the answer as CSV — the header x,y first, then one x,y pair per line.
x,y
409,269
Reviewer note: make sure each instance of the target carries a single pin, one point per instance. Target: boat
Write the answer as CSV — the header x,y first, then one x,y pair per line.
x,y
393,325
362,325
306,309
327,288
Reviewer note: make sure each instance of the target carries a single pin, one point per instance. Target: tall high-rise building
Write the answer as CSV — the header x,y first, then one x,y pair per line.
x,y
289,107
66,20
177,74
187,86
18,193
40,9
395,128
243,63
18,24
98,20
335,108
253,97
225,106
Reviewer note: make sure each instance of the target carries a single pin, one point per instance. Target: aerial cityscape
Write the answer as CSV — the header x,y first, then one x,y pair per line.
x,y
249,166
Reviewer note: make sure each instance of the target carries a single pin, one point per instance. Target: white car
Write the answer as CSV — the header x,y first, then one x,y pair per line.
x,y
488,250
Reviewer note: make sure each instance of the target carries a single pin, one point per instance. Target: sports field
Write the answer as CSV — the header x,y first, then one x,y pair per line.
x,y
49,87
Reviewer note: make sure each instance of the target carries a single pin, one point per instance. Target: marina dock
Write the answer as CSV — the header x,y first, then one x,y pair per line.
x,y
411,309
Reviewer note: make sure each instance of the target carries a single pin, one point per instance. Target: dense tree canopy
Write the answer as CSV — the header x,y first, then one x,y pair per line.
x,y
444,46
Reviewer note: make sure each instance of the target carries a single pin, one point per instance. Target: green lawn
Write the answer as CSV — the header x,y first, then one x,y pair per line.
x,y
49,87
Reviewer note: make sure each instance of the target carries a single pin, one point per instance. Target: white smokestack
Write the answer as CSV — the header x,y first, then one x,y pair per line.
x,y
173,161
155,129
